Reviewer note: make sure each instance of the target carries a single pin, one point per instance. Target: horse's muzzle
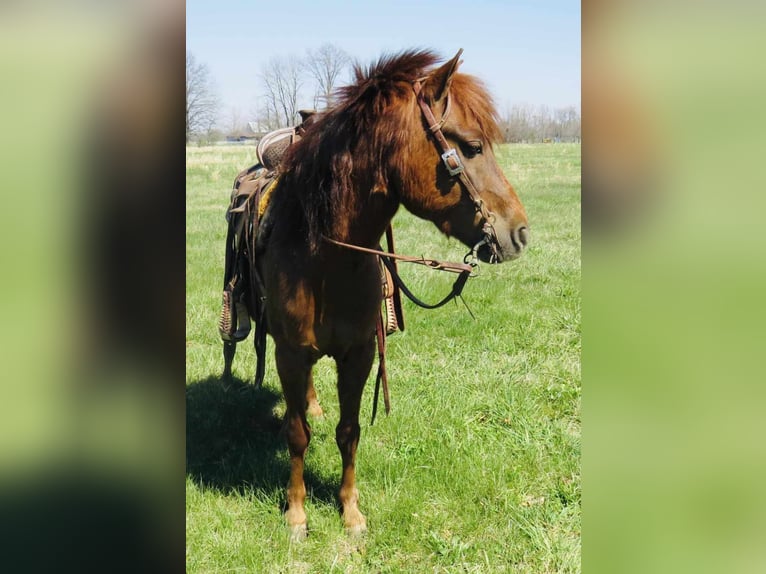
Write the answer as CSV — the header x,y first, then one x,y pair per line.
x,y
506,248
520,238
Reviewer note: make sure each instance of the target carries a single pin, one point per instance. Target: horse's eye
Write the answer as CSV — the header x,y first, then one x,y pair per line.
x,y
472,148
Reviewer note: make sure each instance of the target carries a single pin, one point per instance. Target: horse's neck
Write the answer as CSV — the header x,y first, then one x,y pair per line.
x,y
367,220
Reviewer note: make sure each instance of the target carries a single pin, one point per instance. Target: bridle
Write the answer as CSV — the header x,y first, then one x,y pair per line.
x,y
455,167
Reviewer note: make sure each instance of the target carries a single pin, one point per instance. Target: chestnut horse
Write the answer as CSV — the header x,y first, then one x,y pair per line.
x,y
380,147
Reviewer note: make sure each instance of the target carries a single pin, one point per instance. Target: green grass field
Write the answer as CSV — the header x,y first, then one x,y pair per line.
x,y
477,469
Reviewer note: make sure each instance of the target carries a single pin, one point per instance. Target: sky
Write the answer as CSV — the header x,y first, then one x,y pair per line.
x,y
527,52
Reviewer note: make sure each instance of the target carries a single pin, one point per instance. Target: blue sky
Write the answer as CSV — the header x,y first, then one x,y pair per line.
x,y
526,52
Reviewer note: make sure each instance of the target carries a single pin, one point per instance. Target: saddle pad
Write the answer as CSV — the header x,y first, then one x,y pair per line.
x,y
266,195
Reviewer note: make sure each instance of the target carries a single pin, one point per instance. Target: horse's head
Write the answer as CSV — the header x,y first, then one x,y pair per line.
x,y
454,179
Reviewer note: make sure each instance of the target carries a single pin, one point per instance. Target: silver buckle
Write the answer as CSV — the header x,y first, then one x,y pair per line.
x,y
450,153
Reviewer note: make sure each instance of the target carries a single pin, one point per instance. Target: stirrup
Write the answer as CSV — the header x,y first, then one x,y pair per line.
x,y
234,322
392,325
387,284
225,323
243,322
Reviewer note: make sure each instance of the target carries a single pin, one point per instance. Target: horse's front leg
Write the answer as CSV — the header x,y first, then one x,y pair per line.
x,y
353,369
294,368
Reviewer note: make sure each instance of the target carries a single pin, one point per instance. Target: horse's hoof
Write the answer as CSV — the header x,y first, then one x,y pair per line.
x,y
357,531
315,410
298,533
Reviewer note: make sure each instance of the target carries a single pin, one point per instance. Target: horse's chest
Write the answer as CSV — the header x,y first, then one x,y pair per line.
x,y
327,312
347,311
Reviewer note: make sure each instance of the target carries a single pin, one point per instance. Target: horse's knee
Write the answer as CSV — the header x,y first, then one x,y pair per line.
x,y
347,434
298,435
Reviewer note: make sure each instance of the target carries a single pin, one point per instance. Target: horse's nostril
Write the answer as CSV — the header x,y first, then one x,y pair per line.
x,y
522,235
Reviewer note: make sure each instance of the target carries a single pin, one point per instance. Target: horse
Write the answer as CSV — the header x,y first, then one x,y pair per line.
x,y
380,147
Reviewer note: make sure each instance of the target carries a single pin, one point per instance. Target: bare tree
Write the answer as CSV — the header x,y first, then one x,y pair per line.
x,y
325,65
264,117
235,124
542,122
282,80
201,100
561,118
571,127
518,123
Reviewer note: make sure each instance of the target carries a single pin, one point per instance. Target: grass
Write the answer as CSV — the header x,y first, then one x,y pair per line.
x,y
477,469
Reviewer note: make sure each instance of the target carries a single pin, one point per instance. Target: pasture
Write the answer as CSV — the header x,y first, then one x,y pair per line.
x,y
477,469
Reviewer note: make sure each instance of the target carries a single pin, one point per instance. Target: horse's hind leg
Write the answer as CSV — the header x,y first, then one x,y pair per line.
x,y
294,369
353,370
259,342
229,349
312,403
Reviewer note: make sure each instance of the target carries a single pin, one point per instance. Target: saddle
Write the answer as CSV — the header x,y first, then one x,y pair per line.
x,y
247,204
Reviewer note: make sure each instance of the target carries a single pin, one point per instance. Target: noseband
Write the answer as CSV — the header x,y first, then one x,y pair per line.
x,y
455,168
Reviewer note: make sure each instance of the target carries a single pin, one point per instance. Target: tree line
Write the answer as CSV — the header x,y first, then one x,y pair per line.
x,y
524,123
286,79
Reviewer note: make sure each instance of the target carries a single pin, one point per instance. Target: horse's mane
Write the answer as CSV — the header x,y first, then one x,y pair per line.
x,y
352,144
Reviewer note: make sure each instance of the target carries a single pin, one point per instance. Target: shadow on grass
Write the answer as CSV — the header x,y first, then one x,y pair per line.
x,y
234,441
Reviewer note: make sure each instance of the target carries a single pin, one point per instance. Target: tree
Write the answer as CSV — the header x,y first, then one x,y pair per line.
x,y
282,80
325,66
265,119
201,100
571,127
235,125
542,122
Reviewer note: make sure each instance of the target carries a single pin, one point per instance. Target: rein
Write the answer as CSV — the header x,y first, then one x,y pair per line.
x,y
465,270
450,266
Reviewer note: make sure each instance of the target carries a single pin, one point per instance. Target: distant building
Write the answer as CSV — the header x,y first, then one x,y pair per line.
x,y
251,133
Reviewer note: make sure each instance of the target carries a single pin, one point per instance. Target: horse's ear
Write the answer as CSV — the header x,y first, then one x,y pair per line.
x,y
439,80
306,114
